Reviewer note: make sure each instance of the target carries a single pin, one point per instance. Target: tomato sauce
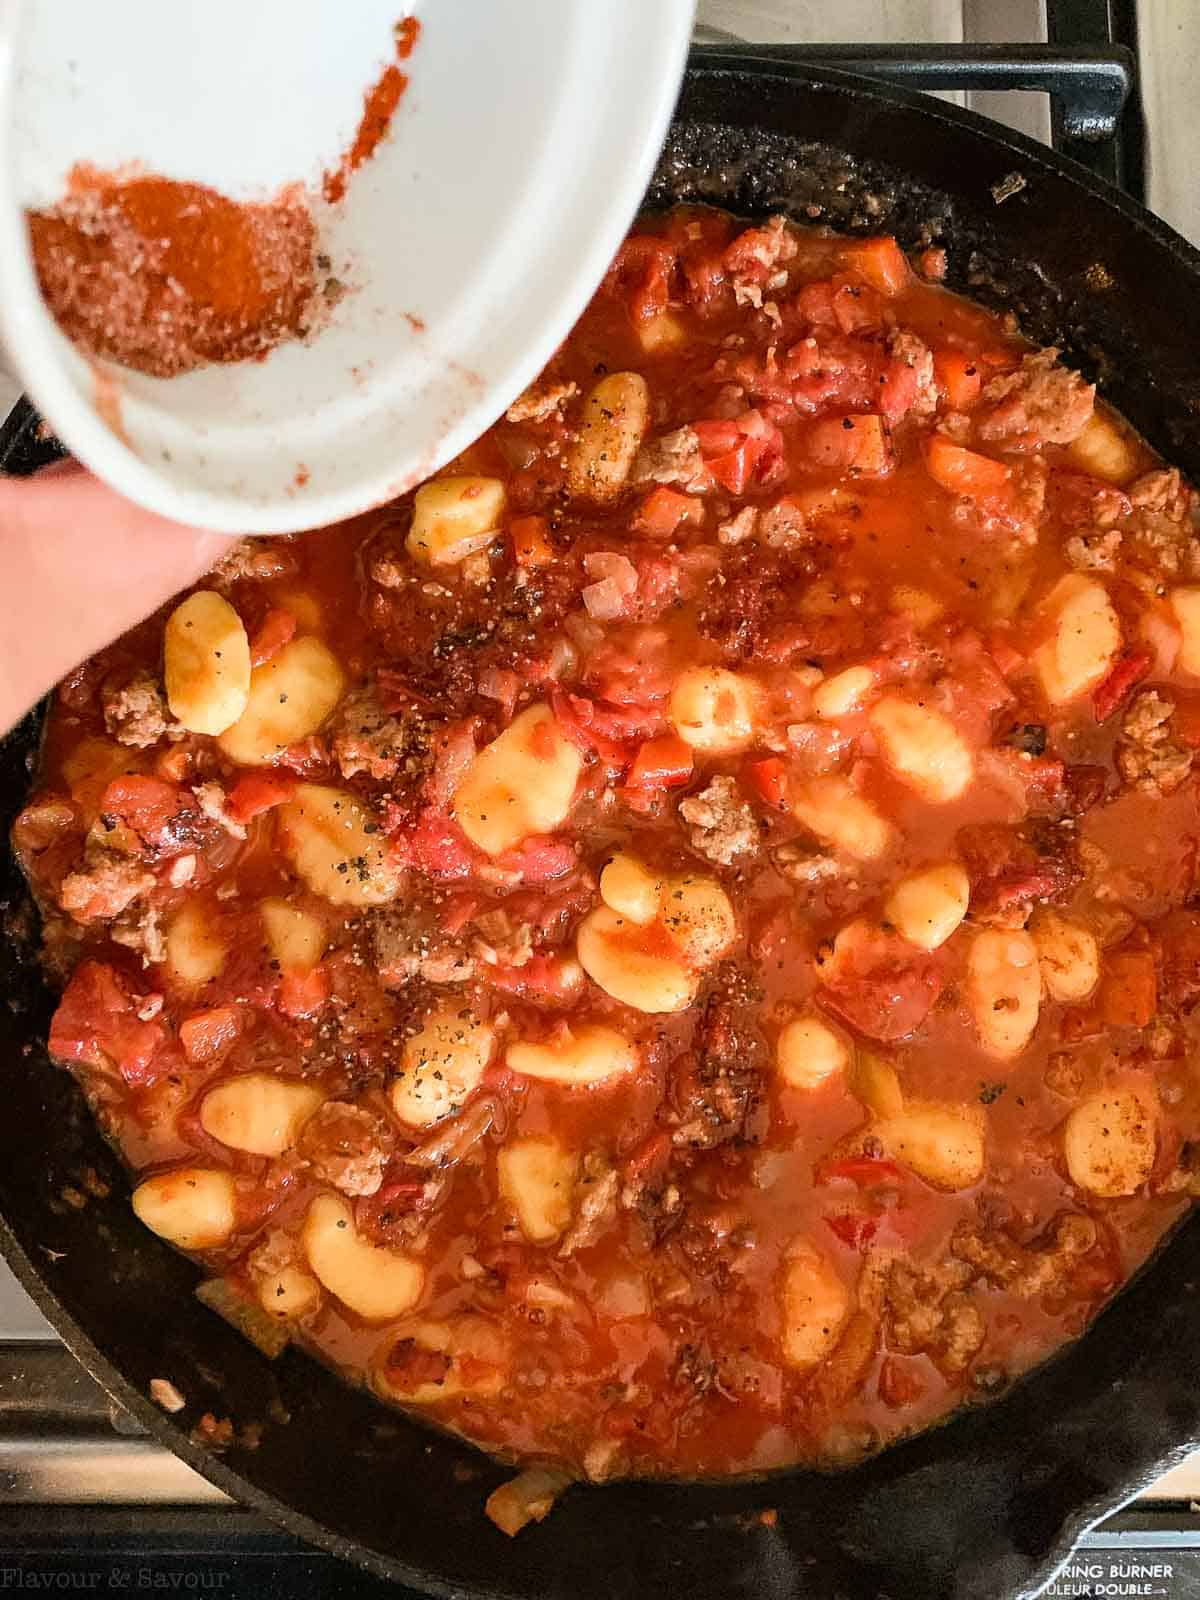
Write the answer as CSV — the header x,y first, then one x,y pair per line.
x,y
668,951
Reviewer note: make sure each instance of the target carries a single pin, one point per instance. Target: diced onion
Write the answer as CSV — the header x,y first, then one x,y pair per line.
x,y
604,600
525,1499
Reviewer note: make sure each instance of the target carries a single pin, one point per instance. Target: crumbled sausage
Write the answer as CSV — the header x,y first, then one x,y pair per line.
x,y
674,458
718,1087
408,943
1148,756
720,824
136,713
1096,551
1028,1271
928,1313
347,1147
211,798
104,887
915,353
599,1186
367,739
1041,403
541,400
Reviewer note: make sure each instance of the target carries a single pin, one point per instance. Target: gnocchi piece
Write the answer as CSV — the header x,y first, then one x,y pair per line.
x,y
1103,450
1084,642
290,697
192,1207
259,1112
589,1054
1109,1142
196,950
1185,603
809,1052
699,917
923,748
927,906
88,768
453,518
843,693
441,1065
336,847
477,1358
661,333
1004,989
923,608
615,418
521,783
1069,956
631,965
815,1305
876,1083
630,962
295,938
834,810
206,663
376,1284
713,710
289,1293
537,1182
941,1142
631,890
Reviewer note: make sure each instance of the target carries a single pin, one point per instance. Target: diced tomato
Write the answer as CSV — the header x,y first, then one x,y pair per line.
x,y
540,859
814,302
856,308
278,628
770,778
642,273
884,989
208,1034
531,541
577,721
1120,683
899,1383
543,977
438,847
857,444
865,1171
256,792
716,438
306,757
663,509
854,1228
303,991
1128,989
879,262
151,807
663,763
958,378
898,390
97,1024
647,1164
965,472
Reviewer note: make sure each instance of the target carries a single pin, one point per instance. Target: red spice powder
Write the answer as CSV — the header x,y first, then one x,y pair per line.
x,y
379,107
164,277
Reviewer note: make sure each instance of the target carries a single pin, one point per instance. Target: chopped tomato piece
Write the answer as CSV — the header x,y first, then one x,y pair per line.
x,y
642,273
278,628
543,977
958,378
899,389
884,990
879,262
150,806
965,472
438,847
932,263
661,763
856,308
857,444
815,304
97,1024
256,792
303,991
865,1171
716,438
577,720
540,859
899,1384
663,509
1128,989
1120,683
854,1228
647,1163
208,1034
531,541
770,778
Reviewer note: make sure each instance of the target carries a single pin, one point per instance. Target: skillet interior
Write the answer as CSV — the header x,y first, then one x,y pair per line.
x,y
984,1507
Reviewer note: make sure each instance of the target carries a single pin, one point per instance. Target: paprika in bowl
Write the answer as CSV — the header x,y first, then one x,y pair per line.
x,y
280,301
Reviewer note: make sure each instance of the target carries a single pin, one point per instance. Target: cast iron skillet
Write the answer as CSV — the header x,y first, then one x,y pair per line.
x,y
984,1507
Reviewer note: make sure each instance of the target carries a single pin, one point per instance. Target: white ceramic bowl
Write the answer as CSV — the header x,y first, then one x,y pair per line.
x,y
472,240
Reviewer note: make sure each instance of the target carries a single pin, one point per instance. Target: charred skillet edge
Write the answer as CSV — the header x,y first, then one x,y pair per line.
x,y
983,1508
